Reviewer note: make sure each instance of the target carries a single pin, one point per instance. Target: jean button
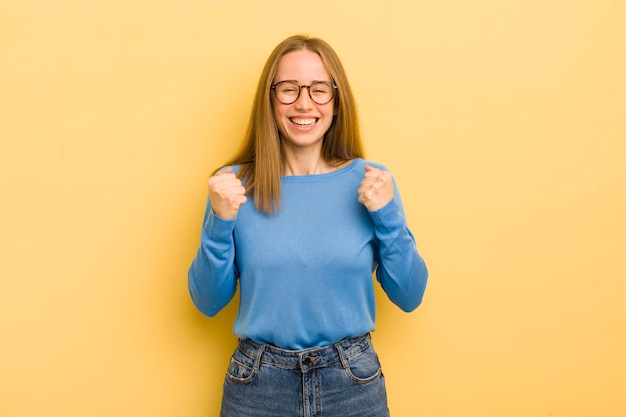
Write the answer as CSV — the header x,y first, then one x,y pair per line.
x,y
308,360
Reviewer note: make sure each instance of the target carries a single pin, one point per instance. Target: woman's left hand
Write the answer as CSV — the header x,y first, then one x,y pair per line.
x,y
376,189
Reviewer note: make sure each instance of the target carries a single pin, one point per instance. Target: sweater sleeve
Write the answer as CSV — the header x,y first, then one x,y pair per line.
x,y
212,277
401,270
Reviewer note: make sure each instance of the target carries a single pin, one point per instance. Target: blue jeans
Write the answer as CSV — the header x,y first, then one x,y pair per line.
x,y
342,380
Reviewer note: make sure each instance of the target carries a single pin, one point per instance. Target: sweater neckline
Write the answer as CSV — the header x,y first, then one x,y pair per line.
x,y
316,177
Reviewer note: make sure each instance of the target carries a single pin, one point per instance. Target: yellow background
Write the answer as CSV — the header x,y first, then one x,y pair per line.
x,y
503,122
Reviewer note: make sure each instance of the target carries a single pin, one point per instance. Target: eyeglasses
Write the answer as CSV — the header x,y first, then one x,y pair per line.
x,y
288,92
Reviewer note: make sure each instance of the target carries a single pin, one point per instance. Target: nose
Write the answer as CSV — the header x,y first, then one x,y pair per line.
x,y
304,101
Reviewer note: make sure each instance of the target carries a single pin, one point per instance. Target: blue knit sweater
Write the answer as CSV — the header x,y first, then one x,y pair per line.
x,y
305,274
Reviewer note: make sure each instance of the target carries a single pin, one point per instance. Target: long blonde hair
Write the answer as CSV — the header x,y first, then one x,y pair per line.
x,y
260,153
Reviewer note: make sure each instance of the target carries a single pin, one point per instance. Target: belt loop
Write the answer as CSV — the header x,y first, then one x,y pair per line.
x,y
257,359
342,356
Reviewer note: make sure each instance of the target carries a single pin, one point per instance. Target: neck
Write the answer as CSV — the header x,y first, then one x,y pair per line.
x,y
304,165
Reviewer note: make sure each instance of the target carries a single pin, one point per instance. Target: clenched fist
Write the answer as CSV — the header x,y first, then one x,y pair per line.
x,y
227,194
376,189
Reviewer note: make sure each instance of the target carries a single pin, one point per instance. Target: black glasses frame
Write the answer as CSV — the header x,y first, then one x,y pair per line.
x,y
308,87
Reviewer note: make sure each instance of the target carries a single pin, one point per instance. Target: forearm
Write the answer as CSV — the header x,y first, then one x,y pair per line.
x,y
401,270
212,276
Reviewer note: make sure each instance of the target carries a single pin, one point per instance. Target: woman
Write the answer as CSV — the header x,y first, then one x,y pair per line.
x,y
300,221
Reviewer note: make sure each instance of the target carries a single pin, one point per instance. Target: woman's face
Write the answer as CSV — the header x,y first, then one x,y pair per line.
x,y
302,124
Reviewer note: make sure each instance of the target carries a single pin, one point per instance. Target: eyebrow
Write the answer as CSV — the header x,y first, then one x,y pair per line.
x,y
298,82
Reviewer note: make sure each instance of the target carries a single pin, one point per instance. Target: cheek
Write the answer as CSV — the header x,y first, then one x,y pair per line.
x,y
279,111
279,121
332,114
274,110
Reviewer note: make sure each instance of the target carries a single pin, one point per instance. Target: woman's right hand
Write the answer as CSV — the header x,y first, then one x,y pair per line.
x,y
227,194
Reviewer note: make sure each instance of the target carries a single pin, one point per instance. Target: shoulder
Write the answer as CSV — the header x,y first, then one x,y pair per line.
x,y
362,163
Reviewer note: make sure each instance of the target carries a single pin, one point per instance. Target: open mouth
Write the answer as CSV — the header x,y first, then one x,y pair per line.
x,y
303,122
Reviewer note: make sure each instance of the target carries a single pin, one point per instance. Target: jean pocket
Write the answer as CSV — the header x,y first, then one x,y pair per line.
x,y
240,369
364,367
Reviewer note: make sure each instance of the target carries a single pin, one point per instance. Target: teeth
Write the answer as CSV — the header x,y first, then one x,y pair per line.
x,y
303,122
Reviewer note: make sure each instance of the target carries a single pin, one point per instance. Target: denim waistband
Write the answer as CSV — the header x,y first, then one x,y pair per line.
x,y
304,359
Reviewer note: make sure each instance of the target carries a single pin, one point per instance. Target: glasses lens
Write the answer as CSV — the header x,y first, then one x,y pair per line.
x,y
321,93
287,92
